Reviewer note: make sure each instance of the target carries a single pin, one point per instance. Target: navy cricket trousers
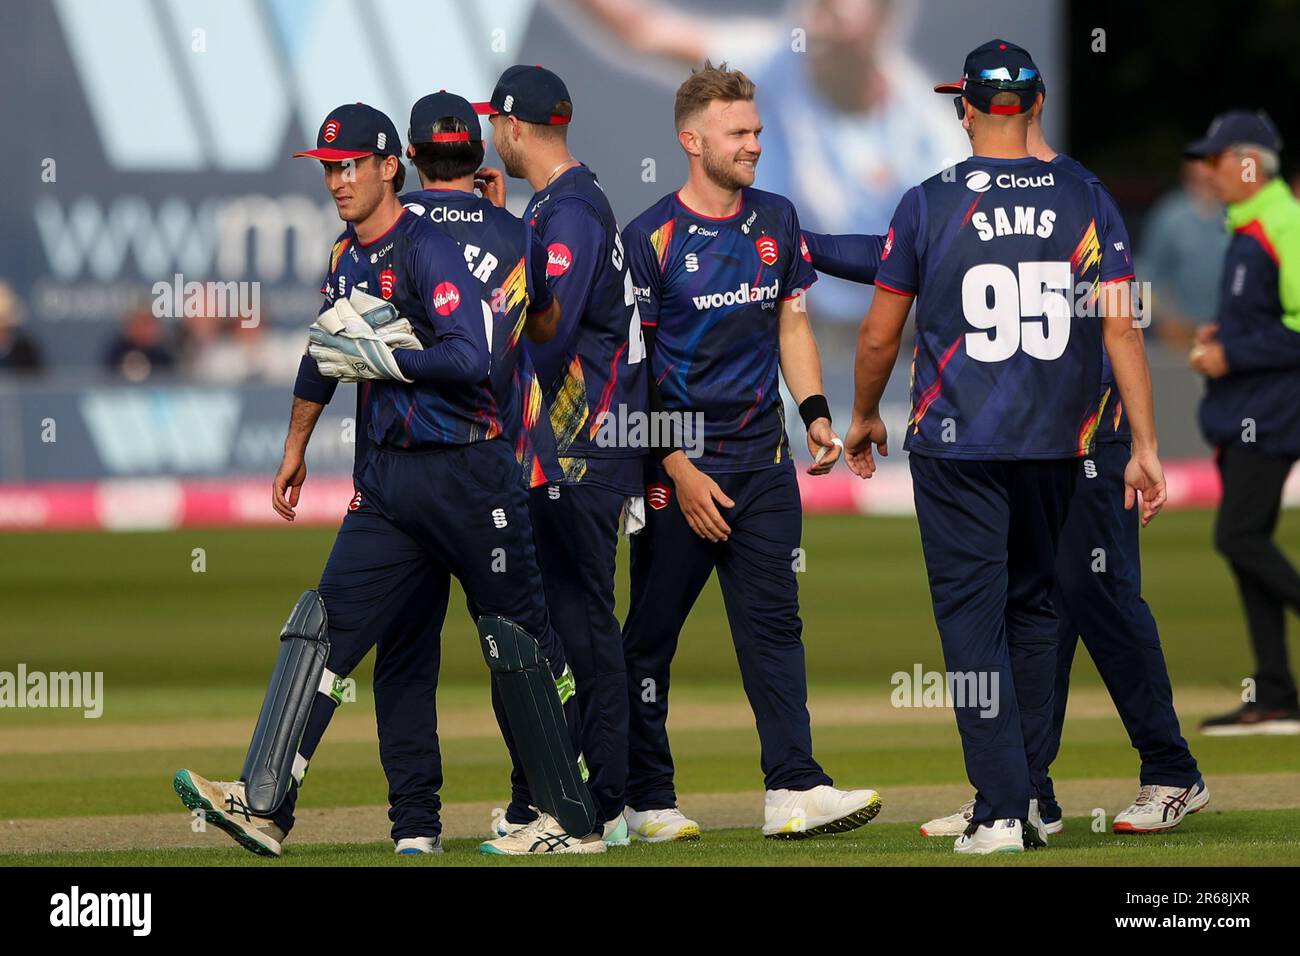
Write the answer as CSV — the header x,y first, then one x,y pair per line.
x,y
989,532
1099,597
421,517
670,565
575,527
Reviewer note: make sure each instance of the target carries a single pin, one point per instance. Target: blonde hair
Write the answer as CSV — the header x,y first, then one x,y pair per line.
x,y
706,84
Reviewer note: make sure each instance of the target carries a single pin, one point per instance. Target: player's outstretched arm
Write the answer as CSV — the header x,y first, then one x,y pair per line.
x,y
1144,479
852,257
289,479
801,366
879,337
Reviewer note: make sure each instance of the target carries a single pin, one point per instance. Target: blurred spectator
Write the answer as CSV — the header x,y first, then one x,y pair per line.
x,y
1182,256
227,352
18,353
138,351
1251,360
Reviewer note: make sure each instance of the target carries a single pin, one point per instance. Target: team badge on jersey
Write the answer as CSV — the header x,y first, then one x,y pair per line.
x,y
446,298
889,245
355,503
658,495
387,282
331,131
558,259
768,251
803,249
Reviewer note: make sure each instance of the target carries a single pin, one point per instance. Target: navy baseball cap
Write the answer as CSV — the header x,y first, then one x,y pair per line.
x,y
352,131
428,110
997,67
529,92
1236,126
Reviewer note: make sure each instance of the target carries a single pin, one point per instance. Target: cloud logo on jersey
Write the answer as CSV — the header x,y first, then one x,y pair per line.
x,y
889,245
558,259
803,248
387,282
446,298
741,294
768,250
978,181
447,214
331,131
658,496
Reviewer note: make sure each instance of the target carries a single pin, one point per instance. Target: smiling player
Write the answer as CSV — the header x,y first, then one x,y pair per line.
x,y
719,277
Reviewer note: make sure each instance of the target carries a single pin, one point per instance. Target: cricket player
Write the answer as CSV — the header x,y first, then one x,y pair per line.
x,y
719,275
594,381
446,147
1006,374
1103,607
439,493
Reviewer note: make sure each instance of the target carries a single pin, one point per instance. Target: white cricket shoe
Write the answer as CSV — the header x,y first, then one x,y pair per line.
x,y
998,836
500,826
799,814
616,832
1161,808
954,824
417,846
543,835
660,826
222,804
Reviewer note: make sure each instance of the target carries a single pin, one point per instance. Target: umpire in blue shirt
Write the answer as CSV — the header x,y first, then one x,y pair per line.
x,y
1251,410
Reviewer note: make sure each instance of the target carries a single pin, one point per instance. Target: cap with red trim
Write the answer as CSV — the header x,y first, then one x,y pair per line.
x,y
428,110
530,93
997,67
352,131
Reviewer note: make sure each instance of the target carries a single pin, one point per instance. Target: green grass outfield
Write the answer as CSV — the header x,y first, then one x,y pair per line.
x,y
1230,839
185,657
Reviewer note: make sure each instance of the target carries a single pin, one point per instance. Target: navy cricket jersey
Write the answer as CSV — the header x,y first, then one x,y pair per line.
x,y
1001,254
594,368
857,258
502,252
1112,423
713,288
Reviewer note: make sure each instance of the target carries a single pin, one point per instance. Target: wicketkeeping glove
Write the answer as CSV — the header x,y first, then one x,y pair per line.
x,y
354,339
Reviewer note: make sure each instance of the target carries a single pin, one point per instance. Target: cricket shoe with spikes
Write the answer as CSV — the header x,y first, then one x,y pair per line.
x,y
1158,808
222,805
996,836
660,826
543,835
800,814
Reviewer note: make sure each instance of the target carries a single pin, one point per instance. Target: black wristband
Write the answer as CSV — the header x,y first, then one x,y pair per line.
x,y
812,408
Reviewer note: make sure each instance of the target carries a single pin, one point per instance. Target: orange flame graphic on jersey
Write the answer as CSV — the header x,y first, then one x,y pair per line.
x,y
513,294
1086,256
337,252
1088,429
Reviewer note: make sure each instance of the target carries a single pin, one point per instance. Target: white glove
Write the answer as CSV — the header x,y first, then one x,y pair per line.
x,y
352,344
